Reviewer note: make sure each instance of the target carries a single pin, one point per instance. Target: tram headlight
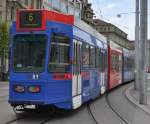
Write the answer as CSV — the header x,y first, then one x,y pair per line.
x,y
34,89
19,88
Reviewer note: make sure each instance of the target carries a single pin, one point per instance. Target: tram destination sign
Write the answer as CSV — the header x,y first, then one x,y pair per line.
x,y
30,19
36,20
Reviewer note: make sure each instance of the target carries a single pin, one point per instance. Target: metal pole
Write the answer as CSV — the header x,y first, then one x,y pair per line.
x,y
136,83
6,11
143,51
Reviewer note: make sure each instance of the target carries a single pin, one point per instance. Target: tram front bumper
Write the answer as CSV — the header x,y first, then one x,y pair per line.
x,y
53,93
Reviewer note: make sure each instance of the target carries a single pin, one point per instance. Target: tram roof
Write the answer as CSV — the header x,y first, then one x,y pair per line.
x,y
57,17
87,28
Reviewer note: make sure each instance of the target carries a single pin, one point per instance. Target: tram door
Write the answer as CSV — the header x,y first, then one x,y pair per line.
x,y
76,72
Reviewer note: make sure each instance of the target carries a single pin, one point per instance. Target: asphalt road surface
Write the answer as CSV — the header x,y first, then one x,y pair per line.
x,y
99,110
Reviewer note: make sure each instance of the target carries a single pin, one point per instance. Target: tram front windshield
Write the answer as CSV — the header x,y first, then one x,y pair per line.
x,y
29,52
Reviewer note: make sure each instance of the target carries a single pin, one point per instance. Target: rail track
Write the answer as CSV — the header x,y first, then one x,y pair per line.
x,y
118,114
14,120
90,112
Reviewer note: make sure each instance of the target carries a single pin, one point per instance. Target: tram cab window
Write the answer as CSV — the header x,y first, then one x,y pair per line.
x,y
29,52
59,54
85,55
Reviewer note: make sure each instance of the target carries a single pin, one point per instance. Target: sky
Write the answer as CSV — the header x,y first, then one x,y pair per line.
x,y
109,9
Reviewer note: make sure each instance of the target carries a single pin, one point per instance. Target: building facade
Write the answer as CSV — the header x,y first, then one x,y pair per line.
x,y
8,7
12,6
113,33
87,13
2,11
72,7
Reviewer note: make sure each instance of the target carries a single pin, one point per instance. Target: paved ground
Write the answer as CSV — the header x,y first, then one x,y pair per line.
x,y
100,109
128,110
133,96
6,112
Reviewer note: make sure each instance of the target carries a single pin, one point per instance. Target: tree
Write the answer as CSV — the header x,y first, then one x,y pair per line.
x,y
4,47
4,36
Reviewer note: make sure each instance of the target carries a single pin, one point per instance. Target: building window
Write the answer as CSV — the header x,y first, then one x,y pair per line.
x,y
56,4
71,2
71,10
77,13
32,3
12,13
77,5
38,4
47,4
64,7
26,2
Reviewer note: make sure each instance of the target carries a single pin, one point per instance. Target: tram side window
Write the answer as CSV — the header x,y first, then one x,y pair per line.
x,y
85,55
120,63
112,62
98,58
59,54
125,63
115,62
106,58
105,61
101,60
92,57
130,63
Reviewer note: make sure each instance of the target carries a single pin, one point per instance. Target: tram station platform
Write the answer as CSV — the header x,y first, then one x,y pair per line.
x,y
133,96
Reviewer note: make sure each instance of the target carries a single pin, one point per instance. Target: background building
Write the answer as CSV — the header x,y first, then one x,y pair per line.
x,y
8,7
13,5
72,7
87,13
2,11
113,33
79,8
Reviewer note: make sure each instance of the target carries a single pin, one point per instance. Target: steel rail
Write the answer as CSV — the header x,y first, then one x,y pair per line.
x,y
118,114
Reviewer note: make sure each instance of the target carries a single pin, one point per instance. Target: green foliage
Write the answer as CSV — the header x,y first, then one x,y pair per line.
x,y
4,36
